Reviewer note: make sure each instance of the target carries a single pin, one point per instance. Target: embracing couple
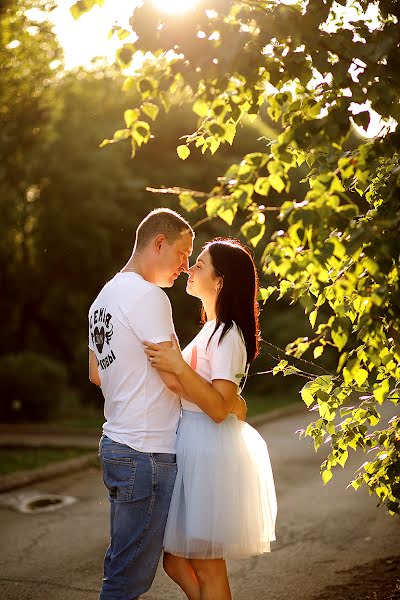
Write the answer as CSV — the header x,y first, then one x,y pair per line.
x,y
184,472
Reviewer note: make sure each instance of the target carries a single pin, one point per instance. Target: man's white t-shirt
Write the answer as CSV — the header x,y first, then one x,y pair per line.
x,y
225,359
140,411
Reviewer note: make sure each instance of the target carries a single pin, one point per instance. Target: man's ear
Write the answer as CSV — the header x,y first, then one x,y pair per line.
x,y
158,241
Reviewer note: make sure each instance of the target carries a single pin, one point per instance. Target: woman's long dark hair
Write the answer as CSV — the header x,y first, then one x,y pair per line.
x,y
237,299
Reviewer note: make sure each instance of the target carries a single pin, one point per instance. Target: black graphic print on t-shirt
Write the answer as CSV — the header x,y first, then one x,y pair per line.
x,y
101,331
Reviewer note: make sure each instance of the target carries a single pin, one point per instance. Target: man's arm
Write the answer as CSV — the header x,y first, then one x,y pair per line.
x,y
169,379
93,369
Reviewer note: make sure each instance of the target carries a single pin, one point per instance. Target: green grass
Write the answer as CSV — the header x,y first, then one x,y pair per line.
x,y
258,404
90,422
20,459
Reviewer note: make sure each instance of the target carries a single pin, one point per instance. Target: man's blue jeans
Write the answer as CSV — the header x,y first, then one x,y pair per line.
x,y
140,486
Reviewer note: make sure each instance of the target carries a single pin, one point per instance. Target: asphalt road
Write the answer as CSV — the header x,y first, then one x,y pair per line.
x,y
326,536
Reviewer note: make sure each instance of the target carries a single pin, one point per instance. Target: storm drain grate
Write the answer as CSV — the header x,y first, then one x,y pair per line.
x,y
35,502
44,503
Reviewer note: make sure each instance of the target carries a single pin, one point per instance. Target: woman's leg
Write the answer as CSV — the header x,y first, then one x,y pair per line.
x,y
181,571
213,579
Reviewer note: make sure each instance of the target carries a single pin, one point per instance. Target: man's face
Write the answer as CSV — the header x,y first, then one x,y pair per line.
x,y
174,258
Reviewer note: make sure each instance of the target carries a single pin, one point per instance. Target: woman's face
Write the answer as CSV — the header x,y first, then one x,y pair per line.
x,y
202,282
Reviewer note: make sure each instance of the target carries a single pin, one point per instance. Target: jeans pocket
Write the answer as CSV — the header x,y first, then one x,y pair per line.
x,y
119,477
164,460
166,475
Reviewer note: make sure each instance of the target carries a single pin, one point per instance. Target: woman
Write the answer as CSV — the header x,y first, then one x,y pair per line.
x,y
223,504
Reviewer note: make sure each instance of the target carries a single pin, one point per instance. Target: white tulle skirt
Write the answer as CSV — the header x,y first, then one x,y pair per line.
x,y
224,503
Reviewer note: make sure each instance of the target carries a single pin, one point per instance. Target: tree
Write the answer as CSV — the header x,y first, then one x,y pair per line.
x,y
317,68
30,58
68,208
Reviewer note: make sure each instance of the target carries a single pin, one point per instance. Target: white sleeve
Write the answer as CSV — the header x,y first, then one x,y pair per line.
x,y
151,317
228,357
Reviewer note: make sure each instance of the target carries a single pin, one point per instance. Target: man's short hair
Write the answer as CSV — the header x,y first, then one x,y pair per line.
x,y
161,220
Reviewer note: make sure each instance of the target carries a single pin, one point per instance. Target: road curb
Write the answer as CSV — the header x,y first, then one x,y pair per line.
x,y
20,479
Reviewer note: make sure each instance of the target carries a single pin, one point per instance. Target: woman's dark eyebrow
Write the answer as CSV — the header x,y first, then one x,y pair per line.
x,y
200,260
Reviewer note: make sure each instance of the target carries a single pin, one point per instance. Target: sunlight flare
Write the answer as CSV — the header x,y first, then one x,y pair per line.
x,y
175,6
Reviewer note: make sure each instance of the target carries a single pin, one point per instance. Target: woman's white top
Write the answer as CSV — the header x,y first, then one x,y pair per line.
x,y
220,360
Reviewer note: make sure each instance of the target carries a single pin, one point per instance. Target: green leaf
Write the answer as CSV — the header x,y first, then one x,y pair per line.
x,y
216,129
151,110
230,132
228,214
361,375
318,351
280,367
187,201
77,10
146,86
265,293
121,134
254,228
356,484
201,108
339,338
277,183
183,151
130,116
214,145
343,458
313,317
262,186
224,209
243,194
256,159
141,132
326,476
124,54
307,396
381,391
123,33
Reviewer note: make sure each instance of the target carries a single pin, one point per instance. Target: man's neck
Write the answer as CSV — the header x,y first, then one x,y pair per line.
x,y
138,264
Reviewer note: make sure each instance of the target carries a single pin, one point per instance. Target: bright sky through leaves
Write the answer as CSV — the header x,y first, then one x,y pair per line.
x,y
175,6
87,38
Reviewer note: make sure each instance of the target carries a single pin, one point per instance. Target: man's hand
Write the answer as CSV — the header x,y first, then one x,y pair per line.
x,y
239,408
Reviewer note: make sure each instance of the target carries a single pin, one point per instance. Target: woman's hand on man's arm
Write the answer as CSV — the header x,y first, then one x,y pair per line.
x,y
169,379
215,400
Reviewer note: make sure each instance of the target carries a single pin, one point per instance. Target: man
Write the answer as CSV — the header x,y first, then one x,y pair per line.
x,y
137,450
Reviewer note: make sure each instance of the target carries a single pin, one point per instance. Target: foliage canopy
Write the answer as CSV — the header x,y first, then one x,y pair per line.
x,y
62,199
315,68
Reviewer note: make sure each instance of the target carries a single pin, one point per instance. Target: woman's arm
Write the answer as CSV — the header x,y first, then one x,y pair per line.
x,y
169,379
172,382
240,408
216,400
